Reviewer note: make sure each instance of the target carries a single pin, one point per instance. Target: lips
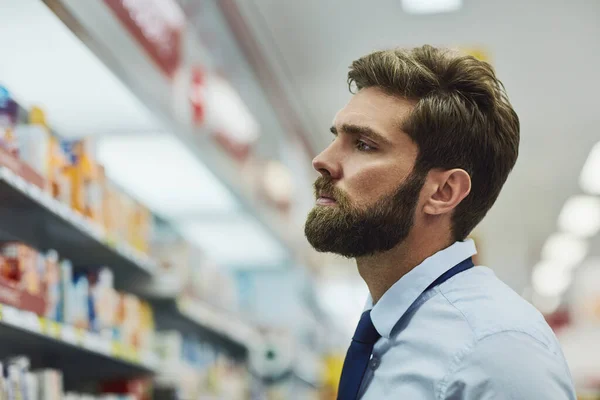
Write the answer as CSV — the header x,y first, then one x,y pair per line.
x,y
325,199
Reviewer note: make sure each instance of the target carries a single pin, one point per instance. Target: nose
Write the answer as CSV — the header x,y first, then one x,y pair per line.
x,y
327,164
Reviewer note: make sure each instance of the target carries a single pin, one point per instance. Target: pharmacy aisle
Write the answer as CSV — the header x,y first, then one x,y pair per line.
x,y
144,216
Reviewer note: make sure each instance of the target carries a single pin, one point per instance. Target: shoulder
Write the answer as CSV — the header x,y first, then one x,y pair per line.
x,y
511,348
507,364
489,306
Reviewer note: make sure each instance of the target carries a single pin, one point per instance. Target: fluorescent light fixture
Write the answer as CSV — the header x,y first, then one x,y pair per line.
x,y
161,173
589,179
49,66
431,6
580,216
565,250
550,279
239,242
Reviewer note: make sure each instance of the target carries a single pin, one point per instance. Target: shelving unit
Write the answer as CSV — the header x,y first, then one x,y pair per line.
x,y
52,344
229,327
216,326
30,215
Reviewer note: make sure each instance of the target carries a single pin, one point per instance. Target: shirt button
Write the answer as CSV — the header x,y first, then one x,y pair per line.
x,y
374,363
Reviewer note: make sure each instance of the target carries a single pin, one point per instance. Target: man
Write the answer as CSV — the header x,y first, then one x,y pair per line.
x,y
418,157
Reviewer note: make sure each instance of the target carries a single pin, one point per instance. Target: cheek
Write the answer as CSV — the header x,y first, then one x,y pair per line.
x,y
368,183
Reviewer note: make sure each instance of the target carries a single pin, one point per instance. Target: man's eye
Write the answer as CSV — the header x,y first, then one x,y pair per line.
x,y
362,146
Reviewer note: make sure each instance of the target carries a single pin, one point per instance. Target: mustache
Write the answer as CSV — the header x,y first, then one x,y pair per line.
x,y
326,185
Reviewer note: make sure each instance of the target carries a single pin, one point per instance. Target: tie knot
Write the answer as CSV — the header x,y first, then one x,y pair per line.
x,y
365,331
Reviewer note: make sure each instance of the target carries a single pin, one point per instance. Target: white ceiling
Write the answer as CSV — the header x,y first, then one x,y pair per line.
x,y
547,54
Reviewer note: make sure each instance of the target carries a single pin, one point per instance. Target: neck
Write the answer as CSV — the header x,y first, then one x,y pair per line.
x,y
380,271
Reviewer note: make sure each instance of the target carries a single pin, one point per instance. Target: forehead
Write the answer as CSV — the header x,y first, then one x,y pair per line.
x,y
377,110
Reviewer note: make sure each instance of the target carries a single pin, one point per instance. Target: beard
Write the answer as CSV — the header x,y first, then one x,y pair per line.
x,y
350,231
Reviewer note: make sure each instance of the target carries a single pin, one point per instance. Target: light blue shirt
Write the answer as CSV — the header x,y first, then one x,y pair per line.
x,y
470,338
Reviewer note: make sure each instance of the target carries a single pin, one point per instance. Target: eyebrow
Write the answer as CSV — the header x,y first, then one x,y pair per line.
x,y
359,130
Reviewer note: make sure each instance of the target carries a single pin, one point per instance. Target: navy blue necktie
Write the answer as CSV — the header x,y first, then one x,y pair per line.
x,y
364,339
357,358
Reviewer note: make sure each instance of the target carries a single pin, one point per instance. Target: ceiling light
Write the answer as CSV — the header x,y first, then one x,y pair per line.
x,y
590,174
550,279
431,6
565,250
239,242
580,216
160,172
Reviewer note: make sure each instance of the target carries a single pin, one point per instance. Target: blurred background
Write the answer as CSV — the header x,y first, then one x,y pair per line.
x,y
155,174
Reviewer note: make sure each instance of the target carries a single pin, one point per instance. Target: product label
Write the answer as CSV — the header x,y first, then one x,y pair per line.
x,y
157,25
50,328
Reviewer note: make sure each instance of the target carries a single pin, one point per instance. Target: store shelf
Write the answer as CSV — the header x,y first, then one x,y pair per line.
x,y
51,344
171,374
228,326
30,215
223,329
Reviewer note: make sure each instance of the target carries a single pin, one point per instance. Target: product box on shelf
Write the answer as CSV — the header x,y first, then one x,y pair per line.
x,y
9,141
73,173
103,301
34,142
65,311
136,389
94,186
199,369
19,381
134,322
173,255
21,285
8,121
53,286
140,227
59,185
81,301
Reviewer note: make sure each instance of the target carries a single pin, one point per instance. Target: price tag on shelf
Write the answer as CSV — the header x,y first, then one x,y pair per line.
x,y
130,354
70,335
20,184
62,210
9,177
33,322
11,316
82,223
33,192
96,231
150,359
52,329
116,349
96,343
46,200
110,241
21,319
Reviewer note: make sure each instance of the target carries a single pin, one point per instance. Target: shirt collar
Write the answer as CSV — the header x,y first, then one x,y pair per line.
x,y
398,299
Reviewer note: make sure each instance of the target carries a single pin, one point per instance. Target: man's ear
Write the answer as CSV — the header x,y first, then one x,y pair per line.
x,y
450,187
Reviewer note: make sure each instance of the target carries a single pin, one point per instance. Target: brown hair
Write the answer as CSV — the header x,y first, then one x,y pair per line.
x,y
462,119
